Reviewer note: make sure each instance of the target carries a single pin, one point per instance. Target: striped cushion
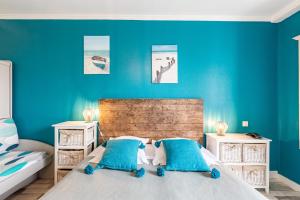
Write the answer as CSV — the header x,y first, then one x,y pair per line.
x,y
8,135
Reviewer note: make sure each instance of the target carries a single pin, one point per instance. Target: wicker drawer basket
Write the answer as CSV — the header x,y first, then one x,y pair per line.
x,y
255,175
70,137
231,152
237,170
62,173
254,153
89,149
69,157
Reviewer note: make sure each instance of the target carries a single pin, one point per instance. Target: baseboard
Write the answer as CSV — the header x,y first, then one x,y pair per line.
x,y
295,186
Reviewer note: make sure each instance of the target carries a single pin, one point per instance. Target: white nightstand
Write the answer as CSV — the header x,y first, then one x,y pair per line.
x,y
74,140
247,157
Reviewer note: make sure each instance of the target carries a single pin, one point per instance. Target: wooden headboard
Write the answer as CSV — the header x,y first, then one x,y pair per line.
x,y
151,118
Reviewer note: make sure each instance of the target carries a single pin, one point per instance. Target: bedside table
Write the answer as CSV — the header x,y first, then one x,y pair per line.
x,y
74,140
245,156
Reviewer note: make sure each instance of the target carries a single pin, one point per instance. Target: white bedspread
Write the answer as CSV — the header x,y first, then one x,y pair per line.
x,y
107,184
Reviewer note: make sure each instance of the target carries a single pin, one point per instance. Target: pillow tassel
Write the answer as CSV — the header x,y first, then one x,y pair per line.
x,y
139,172
104,143
160,171
142,146
89,170
215,174
157,143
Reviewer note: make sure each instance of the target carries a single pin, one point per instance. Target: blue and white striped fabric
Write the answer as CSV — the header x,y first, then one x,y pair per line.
x,y
9,139
16,161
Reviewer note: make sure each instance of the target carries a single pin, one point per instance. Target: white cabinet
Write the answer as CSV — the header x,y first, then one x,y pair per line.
x,y
5,89
247,157
74,140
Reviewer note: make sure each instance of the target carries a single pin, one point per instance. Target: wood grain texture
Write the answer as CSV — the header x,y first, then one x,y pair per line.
x,y
151,118
33,191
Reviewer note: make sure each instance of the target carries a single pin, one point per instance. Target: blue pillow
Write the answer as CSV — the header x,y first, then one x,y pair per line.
x,y
120,155
184,155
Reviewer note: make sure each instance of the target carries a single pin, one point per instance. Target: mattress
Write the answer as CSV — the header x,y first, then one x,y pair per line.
x,y
17,166
108,184
14,162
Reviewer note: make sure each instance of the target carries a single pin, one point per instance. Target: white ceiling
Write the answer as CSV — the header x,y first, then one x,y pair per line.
x,y
219,10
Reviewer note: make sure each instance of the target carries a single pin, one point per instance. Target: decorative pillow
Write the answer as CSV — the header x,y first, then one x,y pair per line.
x,y
120,154
8,135
98,153
184,155
143,140
160,155
142,159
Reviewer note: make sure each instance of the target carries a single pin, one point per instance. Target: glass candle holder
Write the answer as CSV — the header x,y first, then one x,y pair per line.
x,y
221,128
88,115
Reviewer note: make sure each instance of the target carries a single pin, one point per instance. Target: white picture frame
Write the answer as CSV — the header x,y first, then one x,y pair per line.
x,y
5,89
96,55
298,39
164,64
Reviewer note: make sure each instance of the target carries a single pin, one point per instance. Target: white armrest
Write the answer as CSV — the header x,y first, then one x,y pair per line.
x,y
33,145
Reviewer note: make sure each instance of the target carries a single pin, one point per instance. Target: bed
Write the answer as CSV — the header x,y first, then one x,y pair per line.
x,y
155,119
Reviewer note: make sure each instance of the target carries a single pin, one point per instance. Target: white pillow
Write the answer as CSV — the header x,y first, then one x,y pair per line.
x,y
209,157
160,155
143,140
149,151
98,153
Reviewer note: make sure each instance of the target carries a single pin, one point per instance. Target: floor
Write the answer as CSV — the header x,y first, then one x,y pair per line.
x,y
278,191
33,191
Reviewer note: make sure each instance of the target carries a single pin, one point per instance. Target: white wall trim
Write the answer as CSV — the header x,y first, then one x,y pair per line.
x,y
6,64
276,17
298,38
286,12
134,17
275,175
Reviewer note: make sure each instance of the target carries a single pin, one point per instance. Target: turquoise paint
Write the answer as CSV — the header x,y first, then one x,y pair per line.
x,y
288,97
230,65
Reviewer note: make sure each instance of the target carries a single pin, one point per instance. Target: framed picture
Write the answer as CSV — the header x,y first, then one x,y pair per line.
x,y
96,55
164,64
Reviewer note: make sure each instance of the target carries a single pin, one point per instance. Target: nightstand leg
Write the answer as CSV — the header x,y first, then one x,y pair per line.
x,y
267,190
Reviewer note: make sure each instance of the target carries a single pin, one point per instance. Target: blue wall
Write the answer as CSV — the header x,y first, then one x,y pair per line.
x,y
288,97
231,65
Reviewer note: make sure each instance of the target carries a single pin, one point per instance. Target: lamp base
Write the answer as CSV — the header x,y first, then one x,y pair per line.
x,y
221,133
